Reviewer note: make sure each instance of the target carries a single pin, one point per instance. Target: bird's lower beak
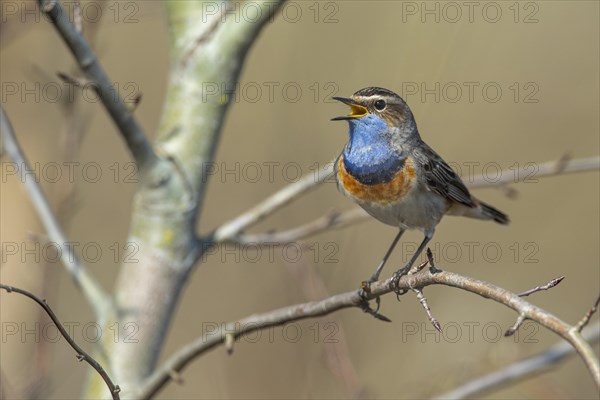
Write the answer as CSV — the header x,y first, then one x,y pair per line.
x,y
356,110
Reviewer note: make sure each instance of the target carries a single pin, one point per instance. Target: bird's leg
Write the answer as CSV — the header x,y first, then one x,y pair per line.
x,y
403,271
375,276
366,285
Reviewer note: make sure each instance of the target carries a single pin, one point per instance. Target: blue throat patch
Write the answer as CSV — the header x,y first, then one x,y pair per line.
x,y
368,156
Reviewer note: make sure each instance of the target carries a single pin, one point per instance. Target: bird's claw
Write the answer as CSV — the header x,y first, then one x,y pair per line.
x,y
364,305
399,274
396,279
364,292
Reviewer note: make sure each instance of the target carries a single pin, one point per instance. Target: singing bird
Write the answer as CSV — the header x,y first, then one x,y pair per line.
x,y
388,170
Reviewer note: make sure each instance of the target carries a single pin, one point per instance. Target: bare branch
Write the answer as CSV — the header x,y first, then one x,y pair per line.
x,y
95,295
333,219
533,171
520,370
81,354
355,299
419,293
137,142
586,318
547,286
72,80
423,301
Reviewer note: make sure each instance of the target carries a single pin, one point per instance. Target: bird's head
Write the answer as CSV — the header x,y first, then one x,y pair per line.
x,y
374,105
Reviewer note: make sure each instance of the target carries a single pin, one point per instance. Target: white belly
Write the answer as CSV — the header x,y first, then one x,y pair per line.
x,y
420,210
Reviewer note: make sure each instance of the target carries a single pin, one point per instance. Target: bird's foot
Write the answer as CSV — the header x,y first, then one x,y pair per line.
x,y
364,305
396,279
365,293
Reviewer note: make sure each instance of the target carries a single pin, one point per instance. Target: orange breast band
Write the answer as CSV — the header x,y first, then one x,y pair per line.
x,y
382,193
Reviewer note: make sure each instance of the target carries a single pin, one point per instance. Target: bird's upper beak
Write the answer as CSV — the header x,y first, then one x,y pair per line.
x,y
356,110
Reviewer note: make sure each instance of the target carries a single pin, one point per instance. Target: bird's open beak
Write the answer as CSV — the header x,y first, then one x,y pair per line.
x,y
356,110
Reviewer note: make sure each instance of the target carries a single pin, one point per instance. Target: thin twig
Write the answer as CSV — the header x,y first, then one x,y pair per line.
x,y
229,341
547,286
230,229
586,318
520,370
511,331
355,298
137,142
423,301
420,296
422,265
63,202
533,171
72,80
206,34
331,220
81,354
77,17
95,295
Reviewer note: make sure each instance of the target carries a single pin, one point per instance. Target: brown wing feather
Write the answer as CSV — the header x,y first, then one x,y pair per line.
x,y
441,178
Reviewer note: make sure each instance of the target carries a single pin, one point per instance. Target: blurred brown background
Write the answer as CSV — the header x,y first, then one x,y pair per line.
x,y
544,58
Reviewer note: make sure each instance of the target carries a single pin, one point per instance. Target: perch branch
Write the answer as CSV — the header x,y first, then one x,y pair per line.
x,y
354,299
95,295
81,354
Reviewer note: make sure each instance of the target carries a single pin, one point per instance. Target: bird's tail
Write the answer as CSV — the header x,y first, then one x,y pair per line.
x,y
493,213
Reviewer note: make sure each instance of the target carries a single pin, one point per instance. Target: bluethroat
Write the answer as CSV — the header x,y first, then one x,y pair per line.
x,y
388,170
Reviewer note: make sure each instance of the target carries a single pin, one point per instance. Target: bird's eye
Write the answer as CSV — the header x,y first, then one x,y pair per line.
x,y
380,105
